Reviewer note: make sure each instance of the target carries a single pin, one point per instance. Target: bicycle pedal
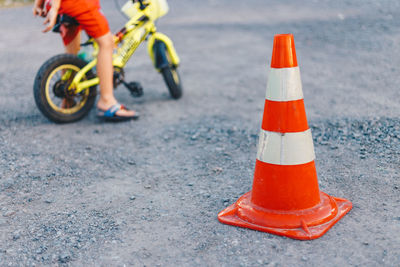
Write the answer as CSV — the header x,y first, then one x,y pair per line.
x,y
135,88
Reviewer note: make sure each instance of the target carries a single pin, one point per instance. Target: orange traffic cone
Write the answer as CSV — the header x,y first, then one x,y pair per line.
x,y
285,198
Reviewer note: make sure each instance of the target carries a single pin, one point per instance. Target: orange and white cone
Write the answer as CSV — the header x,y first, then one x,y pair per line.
x,y
285,198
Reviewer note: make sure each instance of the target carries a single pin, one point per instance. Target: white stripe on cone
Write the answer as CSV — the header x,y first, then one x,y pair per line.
x,y
284,84
285,148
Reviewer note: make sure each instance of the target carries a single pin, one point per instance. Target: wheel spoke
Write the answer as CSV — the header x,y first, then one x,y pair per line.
x,y
57,90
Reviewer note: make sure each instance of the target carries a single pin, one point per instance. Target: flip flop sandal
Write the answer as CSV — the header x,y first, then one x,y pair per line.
x,y
111,114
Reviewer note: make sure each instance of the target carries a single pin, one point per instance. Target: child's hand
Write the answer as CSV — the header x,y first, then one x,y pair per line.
x,y
38,8
37,11
51,19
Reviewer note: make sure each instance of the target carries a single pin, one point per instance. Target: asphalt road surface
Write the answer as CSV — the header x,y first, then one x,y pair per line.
x,y
147,193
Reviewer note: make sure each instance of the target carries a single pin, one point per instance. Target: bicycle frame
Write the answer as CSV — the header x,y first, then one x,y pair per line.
x,y
136,30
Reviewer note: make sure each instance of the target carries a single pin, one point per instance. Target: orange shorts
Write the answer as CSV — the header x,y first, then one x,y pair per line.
x,y
88,15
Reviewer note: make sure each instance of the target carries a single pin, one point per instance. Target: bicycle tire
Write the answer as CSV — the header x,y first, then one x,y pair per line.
x,y
40,87
173,81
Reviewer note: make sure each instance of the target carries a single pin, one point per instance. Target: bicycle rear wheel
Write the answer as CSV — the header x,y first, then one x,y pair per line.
x,y
51,92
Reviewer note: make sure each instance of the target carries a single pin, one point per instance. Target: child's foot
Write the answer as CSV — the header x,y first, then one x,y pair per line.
x,y
116,112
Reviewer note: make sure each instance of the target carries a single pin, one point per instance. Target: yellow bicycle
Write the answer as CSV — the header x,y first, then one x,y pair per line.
x,y
69,77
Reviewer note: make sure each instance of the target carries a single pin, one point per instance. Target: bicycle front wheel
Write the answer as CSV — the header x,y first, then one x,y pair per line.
x,y
168,70
173,81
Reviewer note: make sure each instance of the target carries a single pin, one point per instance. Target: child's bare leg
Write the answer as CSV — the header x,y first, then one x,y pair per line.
x,y
74,46
105,73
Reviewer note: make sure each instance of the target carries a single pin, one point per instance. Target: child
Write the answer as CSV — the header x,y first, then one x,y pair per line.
x,y
89,16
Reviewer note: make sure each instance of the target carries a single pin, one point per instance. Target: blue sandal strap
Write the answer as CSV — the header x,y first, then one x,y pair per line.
x,y
109,113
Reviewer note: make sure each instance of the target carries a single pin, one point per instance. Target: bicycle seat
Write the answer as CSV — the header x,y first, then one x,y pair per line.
x,y
65,20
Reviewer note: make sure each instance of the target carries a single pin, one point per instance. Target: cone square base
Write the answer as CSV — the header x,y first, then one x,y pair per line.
x,y
306,230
